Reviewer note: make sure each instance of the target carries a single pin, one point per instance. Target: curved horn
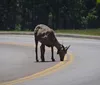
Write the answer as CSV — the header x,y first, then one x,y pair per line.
x,y
67,48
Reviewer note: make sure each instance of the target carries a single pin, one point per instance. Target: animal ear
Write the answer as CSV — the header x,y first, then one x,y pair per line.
x,y
66,48
58,52
62,47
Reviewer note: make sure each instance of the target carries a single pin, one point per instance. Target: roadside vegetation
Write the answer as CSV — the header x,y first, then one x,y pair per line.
x,y
74,16
85,31
95,32
24,15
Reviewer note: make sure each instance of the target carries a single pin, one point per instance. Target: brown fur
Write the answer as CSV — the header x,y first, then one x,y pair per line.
x,y
46,36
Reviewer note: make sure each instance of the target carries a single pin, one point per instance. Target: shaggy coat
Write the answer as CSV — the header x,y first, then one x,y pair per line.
x,y
46,37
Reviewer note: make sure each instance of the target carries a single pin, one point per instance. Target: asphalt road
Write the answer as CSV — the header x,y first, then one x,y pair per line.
x,y
83,70
17,58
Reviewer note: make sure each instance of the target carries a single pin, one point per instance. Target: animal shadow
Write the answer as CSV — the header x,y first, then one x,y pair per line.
x,y
51,61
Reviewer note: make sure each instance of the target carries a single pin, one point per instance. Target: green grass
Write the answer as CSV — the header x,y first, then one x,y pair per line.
x,y
86,32
98,1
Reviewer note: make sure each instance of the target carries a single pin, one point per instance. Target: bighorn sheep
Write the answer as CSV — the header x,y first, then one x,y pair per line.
x,y
46,37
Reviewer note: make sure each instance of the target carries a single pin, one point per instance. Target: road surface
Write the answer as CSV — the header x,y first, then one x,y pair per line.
x,y
83,70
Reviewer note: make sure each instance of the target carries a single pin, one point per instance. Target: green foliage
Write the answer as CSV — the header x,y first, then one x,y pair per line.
x,y
91,17
84,22
73,14
98,1
17,27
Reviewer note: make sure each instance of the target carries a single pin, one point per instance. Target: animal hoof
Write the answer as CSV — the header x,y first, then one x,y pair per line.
x,y
53,60
37,60
43,61
61,60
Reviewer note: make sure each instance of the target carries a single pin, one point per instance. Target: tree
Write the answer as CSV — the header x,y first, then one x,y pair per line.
x,y
66,14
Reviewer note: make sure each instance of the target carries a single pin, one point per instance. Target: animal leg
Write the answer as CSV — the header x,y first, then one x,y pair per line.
x,y
36,50
52,54
42,47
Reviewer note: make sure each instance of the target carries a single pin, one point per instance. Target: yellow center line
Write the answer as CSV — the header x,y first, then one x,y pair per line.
x,y
45,72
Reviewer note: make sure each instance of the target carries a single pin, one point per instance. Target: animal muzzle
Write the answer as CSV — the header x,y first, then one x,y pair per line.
x,y
61,58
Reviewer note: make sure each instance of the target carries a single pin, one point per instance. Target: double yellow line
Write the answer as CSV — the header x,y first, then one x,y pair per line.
x,y
67,61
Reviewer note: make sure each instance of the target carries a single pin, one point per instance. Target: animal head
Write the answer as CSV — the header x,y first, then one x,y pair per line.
x,y
62,51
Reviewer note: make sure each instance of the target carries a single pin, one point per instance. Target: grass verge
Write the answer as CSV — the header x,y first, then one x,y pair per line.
x,y
95,32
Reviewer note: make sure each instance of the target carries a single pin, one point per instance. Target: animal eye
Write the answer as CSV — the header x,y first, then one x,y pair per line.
x,y
62,48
